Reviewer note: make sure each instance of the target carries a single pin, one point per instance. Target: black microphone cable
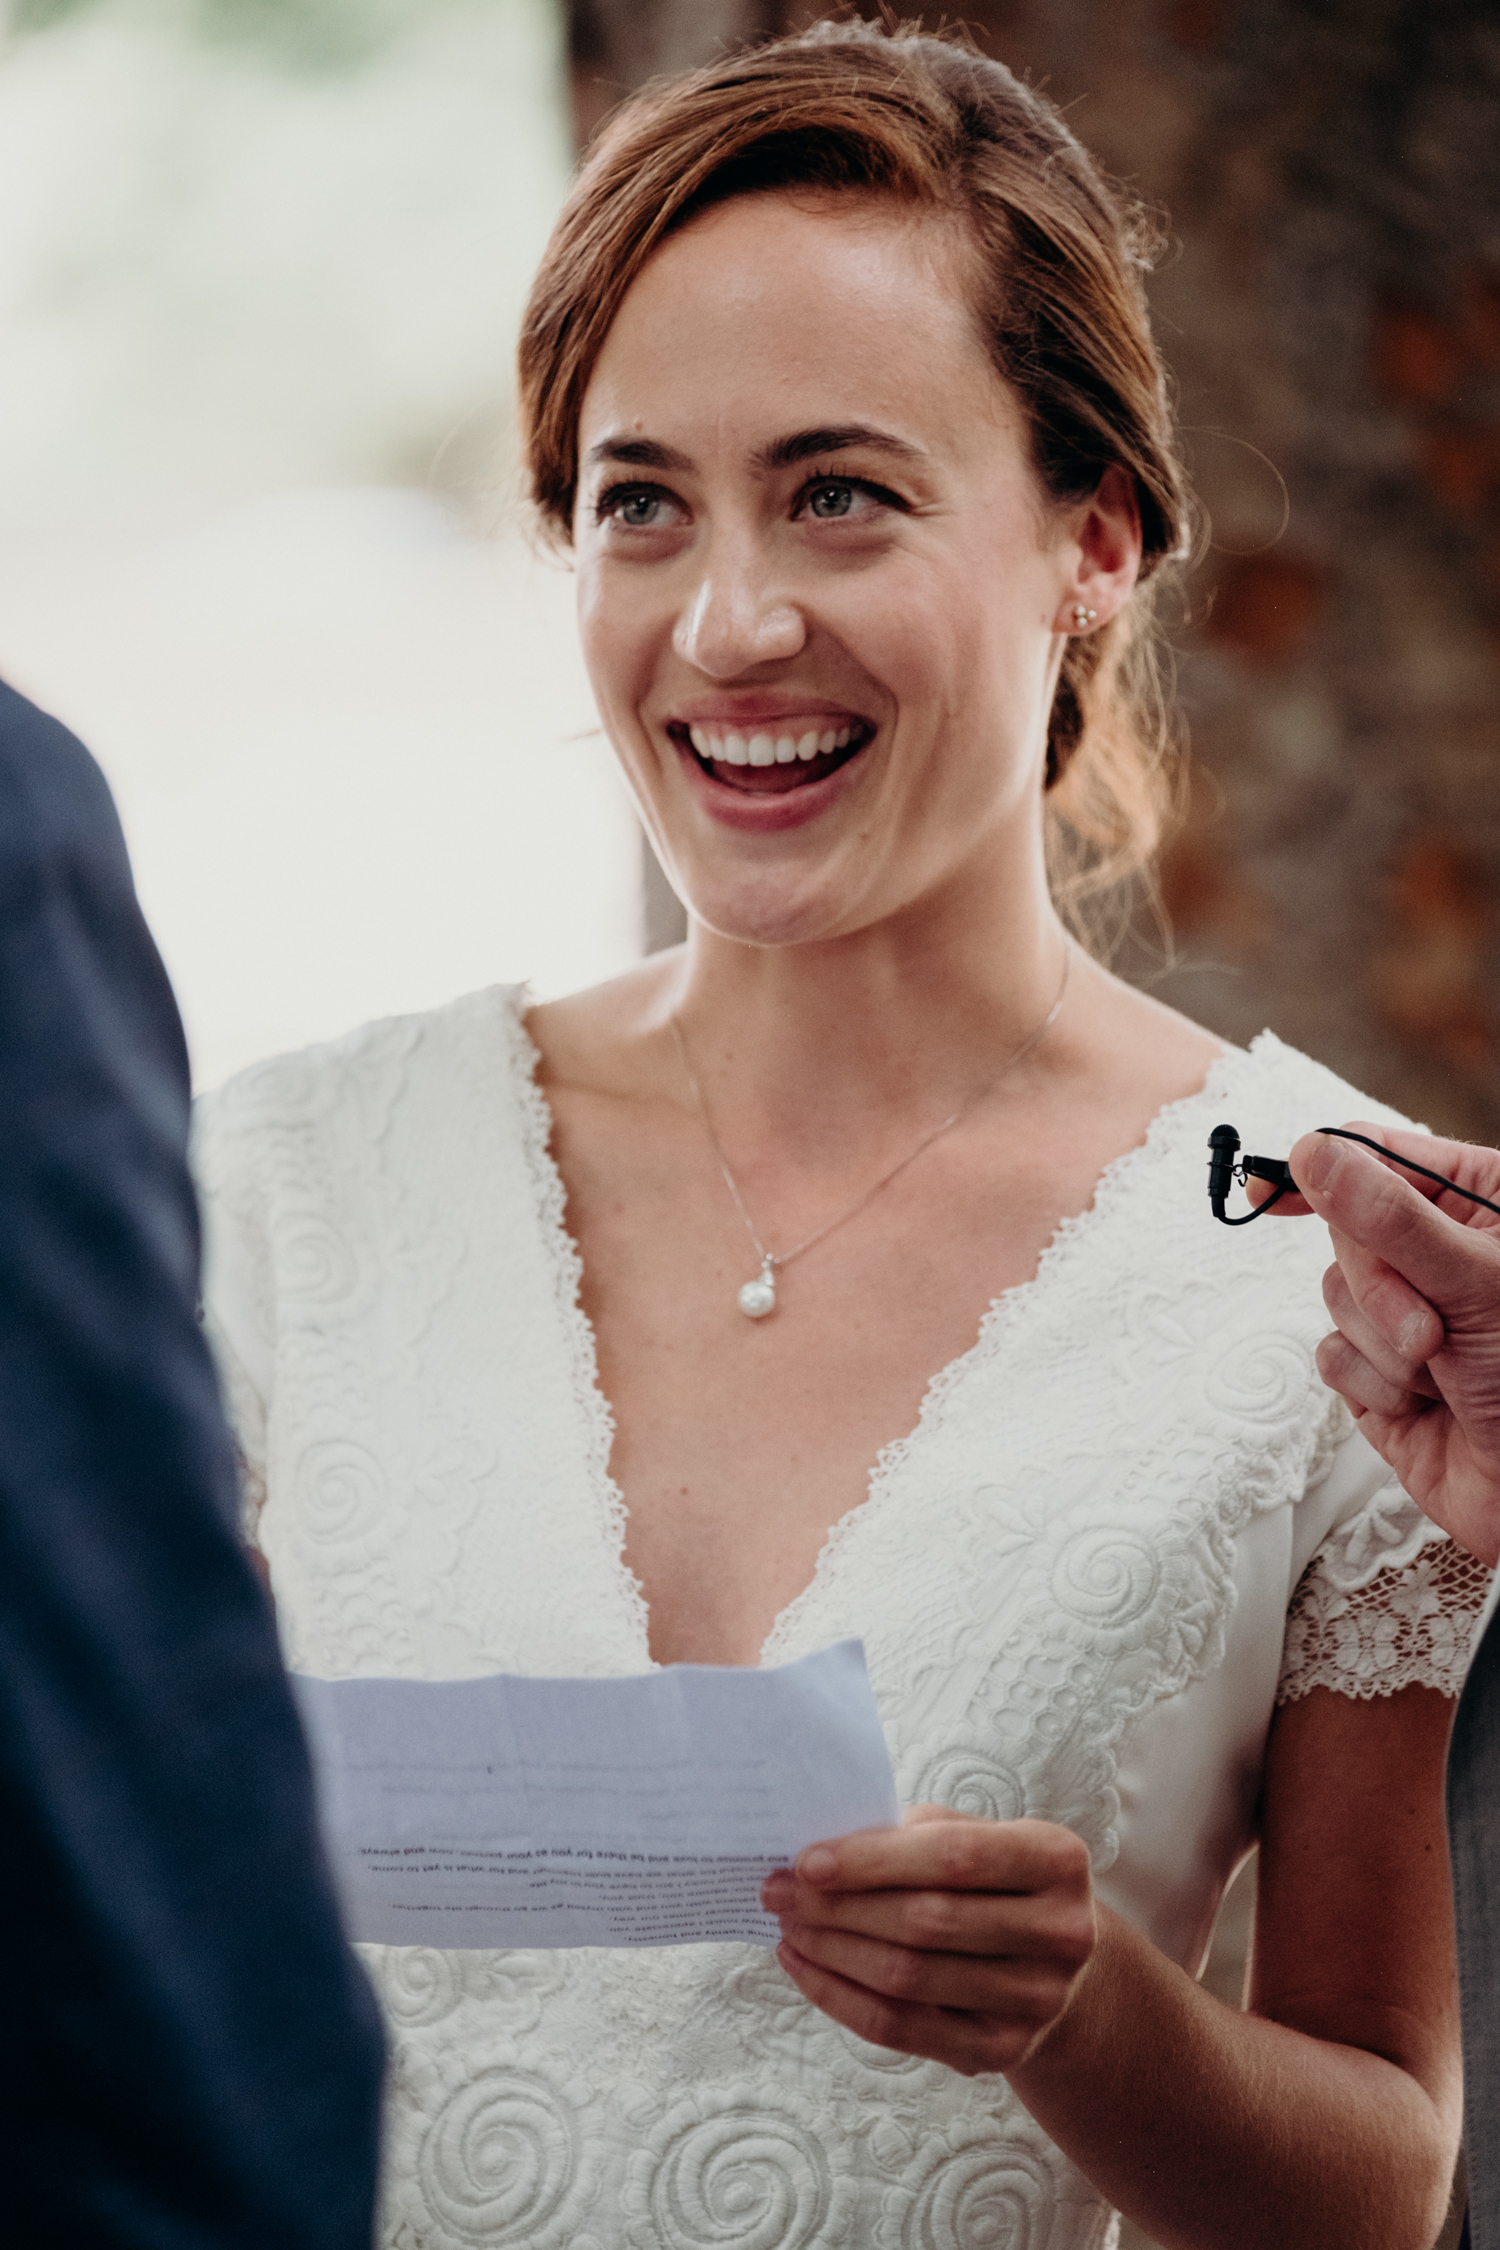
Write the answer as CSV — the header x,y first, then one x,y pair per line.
x,y
1223,1171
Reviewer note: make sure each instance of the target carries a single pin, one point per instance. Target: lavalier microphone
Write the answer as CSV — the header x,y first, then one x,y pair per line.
x,y
1223,1171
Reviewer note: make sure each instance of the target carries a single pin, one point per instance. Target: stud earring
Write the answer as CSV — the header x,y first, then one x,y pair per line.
x,y
1083,617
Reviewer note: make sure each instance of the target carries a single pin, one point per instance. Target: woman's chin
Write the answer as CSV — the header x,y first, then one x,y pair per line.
x,y
772,910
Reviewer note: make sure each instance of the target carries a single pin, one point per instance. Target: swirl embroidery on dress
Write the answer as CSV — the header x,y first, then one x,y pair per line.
x,y
966,2185
739,2168
1069,1631
341,1491
325,1224
1048,1556
968,1778
769,2015
1101,1619
503,2165
417,1984
420,1985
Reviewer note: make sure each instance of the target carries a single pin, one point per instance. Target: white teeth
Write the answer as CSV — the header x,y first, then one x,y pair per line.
x,y
770,750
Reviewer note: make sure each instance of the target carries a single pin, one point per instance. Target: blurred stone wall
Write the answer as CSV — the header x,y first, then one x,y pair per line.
x,y
1331,312
614,45
1329,171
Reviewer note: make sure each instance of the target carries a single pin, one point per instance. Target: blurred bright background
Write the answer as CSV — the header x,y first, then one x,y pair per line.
x,y
261,265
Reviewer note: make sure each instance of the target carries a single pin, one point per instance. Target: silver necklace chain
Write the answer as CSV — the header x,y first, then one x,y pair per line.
x,y
758,1297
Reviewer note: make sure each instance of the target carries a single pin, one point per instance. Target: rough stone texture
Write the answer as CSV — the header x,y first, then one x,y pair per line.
x,y
614,45
1333,178
1330,172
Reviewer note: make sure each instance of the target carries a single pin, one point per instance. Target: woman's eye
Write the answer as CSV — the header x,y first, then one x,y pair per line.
x,y
845,499
637,507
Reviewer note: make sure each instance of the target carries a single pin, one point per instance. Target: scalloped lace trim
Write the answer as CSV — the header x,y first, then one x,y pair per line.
x,y
945,1388
550,1201
1411,1624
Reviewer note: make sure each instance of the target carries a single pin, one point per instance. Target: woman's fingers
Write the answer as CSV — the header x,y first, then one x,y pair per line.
x,y
966,2042
968,1924
1030,1989
938,1850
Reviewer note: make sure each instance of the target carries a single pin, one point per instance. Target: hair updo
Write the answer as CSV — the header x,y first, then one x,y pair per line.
x,y
1058,283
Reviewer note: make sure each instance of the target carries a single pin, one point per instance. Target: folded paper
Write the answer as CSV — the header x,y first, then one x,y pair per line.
x,y
543,1812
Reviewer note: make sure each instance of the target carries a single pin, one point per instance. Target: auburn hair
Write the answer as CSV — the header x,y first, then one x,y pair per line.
x,y
1057,267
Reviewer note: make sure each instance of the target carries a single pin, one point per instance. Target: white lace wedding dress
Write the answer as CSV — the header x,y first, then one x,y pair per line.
x,y
1072,1581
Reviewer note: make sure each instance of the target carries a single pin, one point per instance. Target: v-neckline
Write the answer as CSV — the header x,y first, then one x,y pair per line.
x,y
1067,1241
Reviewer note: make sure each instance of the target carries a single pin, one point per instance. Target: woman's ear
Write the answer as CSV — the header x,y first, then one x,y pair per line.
x,y
1103,553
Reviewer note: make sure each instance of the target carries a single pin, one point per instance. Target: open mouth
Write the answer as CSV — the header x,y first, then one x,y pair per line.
x,y
763,763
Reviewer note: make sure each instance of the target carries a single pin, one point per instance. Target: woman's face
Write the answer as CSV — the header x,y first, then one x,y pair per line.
x,y
820,590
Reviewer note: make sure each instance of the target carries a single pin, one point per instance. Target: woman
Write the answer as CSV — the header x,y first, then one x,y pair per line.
x,y
837,377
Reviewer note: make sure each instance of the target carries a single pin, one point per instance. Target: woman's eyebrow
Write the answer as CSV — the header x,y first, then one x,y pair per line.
x,y
807,444
782,453
637,453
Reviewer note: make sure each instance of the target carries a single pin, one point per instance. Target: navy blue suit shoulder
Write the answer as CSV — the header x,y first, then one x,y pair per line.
x,y
188,2054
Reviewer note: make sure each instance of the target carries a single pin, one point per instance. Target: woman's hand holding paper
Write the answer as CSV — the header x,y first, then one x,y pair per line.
x,y
954,1938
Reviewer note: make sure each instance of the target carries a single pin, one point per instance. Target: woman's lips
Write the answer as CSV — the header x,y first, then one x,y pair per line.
x,y
767,762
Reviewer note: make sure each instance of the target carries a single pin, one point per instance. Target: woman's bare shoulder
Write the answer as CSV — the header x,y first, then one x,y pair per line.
x,y
607,1039
1157,1053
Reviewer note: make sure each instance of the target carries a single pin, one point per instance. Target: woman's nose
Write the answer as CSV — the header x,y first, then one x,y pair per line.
x,y
733,623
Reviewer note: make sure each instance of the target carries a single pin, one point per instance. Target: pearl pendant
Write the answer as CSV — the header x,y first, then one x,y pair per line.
x,y
758,1297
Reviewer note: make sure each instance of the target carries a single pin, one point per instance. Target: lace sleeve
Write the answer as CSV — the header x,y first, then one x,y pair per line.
x,y
1388,1602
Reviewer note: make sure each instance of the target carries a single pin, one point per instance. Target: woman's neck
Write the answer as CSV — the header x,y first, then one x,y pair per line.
x,y
915,1016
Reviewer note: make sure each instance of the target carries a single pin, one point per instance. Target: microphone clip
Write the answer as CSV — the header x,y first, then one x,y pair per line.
x,y
1223,1172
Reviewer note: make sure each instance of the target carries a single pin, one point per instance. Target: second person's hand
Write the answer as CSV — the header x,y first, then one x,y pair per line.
x,y
1415,1298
